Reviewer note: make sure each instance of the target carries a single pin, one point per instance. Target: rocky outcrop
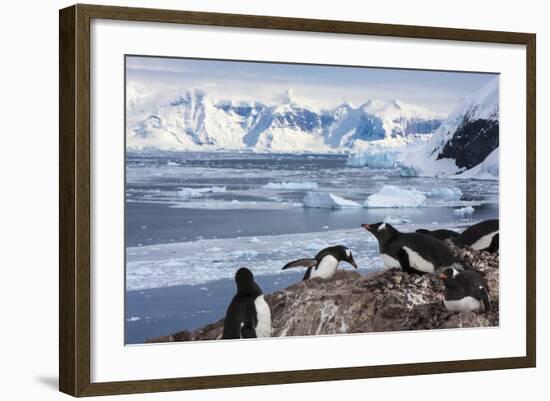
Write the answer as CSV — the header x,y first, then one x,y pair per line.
x,y
352,303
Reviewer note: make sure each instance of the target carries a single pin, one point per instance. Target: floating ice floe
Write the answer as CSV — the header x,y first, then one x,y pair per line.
x,y
188,193
291,185
393,196
327,200
464,211
444,193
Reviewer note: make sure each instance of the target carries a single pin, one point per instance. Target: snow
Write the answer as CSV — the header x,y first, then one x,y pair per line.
x,y
464,211
193,120
486,170
423,162
327,200
444,193
395,197
291,185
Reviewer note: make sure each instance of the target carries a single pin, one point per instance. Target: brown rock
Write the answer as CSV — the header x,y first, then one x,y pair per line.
x,y
351,303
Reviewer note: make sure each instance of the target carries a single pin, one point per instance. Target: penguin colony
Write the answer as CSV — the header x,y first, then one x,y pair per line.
x,y
421,252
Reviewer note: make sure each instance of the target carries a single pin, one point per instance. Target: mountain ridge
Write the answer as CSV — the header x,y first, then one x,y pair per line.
x,y
192,120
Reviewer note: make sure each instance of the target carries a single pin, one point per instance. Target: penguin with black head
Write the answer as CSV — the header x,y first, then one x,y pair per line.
x,y
441,234
325,263
465,291
411,252
482,236
248,314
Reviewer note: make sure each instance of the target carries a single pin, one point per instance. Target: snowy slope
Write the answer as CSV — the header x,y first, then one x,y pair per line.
x,y
464,140
194,121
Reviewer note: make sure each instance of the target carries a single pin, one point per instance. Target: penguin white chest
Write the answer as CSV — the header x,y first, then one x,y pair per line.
x,y
263,314
418,262
484,242
466,304
326,267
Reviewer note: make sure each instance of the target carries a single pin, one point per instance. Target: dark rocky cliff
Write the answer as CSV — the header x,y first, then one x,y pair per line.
x,y
378,302
472,142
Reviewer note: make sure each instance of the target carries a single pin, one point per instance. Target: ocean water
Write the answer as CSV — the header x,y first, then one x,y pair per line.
x,y
192,219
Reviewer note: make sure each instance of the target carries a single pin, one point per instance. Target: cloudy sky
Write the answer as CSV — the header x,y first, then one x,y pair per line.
x,y
317,85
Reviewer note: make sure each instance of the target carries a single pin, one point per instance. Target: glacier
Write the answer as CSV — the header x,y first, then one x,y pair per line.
x,y
194,121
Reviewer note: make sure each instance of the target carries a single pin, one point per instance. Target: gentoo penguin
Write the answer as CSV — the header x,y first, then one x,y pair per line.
x,y
482,236
441,235
465,291
324,264
248,315
412,252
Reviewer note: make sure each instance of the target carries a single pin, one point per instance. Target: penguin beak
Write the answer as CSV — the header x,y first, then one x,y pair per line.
x,y
442,276
352,262
366,226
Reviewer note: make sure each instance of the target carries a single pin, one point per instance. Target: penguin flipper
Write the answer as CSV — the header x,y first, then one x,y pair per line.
x,y
485,299
493,248
300,263
403,258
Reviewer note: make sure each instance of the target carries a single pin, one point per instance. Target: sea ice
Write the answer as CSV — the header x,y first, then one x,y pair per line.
x,y
327,200
188,193
393,196
291,185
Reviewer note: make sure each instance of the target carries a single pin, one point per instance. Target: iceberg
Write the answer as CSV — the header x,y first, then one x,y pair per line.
x,y
393,196
464,211
327,200
444,193
291,185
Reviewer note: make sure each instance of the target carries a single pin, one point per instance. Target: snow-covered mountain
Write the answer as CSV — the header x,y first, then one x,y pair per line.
x,y
194,121
468,138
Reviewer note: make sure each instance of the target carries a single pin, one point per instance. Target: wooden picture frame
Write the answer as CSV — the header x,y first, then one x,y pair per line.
x,y
75,198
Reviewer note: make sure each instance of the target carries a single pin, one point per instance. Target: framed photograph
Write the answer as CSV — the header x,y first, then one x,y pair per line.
x,y
249,200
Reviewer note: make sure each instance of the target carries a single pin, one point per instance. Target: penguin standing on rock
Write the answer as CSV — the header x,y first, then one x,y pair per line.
x,y
441,235
482,236
412,252
325,263
465,291
248,315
